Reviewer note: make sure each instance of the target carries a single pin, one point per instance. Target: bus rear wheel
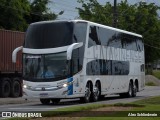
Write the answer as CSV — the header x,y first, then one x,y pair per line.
x,y
132,90
129,93
45,101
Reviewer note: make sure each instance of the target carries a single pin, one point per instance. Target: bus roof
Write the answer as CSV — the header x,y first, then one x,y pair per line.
x,y
91,23
108,27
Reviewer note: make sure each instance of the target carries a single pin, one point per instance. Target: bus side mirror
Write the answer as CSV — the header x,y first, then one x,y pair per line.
x,y
14,53
71,48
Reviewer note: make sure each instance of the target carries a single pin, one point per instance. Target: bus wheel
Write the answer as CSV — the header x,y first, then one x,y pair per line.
x,y
134,90
130,90
86,98
5,88
123,95
55,101
45,101
96,92
102,97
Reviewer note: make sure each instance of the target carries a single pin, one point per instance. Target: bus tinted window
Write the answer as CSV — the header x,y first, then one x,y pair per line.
x,y
105,35
111,38
115,40
120,68
93,37
49,35
80,29
76,62
107,67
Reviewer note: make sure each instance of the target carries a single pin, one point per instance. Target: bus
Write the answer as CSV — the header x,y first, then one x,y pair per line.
x,y
80,59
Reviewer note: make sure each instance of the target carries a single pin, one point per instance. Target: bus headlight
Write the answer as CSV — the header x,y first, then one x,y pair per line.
x,y
65,85
25,86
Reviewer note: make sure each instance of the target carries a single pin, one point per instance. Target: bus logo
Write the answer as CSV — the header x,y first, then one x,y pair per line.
x,y
43,89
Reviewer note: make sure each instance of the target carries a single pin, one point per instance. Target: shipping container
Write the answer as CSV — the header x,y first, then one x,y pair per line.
x,y
10,73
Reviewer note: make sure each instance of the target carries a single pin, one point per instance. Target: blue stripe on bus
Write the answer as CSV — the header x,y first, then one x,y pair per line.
x,y
70,86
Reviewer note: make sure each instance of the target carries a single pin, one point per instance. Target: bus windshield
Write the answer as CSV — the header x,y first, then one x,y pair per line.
x,y
49,35
45,67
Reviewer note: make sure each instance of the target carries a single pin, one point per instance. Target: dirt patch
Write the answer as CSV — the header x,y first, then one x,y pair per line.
x,y
150,78
113,109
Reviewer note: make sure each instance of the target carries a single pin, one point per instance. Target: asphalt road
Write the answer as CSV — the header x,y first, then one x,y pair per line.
x,y
37,106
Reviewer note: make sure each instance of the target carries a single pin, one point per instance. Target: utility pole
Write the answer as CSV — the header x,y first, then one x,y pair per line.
x,y
115,14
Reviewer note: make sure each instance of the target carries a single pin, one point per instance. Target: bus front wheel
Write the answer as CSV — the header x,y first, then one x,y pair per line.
x,y
55,101
45,101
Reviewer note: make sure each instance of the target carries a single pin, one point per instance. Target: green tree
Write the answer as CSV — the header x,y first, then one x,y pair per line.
x,y
40,11
141,18
12,14
17,14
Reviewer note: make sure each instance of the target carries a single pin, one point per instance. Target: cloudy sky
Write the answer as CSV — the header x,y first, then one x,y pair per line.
x,y
71,13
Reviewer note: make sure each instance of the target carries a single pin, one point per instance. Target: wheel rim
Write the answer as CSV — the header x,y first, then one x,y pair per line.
x,y
96,92
88,93
130,90
134,90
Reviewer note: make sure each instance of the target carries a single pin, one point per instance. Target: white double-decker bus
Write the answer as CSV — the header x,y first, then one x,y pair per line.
x,y
80,59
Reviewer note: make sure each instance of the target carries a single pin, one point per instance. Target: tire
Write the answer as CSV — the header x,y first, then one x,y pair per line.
x,y
123,95
102,97
45,101
15,89
130,90
55,101
96,92
5,88
134,91
87,96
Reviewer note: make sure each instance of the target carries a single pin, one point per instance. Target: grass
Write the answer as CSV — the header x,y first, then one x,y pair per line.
x,y
69,110
149,101
128,105
148,104
66,111
150,84
156,73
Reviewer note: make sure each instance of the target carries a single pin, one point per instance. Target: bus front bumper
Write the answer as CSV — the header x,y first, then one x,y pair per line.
x,y
60,93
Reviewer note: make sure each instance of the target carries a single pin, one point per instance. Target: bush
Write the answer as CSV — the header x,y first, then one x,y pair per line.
x,y
150,84
156,73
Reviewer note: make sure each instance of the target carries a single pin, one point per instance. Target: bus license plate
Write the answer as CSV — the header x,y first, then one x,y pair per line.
x,y
43,95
